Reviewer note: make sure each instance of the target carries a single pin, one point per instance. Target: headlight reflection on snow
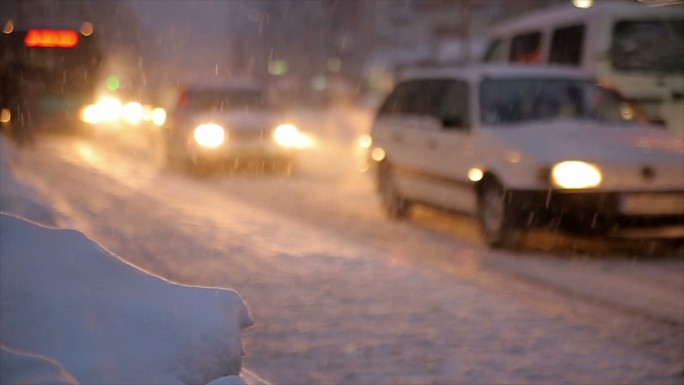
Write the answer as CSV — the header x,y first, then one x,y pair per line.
x,y
89,155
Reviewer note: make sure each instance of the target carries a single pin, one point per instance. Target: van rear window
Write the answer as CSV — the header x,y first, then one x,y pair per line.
x,y
648,46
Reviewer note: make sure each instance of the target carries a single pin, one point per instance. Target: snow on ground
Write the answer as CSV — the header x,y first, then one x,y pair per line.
x,y
337,291
31,369
107,322
16,197
71,312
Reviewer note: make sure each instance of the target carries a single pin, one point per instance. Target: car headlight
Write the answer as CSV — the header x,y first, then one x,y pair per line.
x,y
92,114
287,135
575,174
132,112
109,108
209,135
158,116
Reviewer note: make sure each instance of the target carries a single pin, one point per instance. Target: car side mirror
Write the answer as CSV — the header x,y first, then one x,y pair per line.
x,y
452,122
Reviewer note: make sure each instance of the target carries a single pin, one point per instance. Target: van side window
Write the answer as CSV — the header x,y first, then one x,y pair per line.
x,y
420,98
396,102
494,52
526,48
453,110
566,45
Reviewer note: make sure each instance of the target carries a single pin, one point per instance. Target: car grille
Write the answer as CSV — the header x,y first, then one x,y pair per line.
x,y
251,135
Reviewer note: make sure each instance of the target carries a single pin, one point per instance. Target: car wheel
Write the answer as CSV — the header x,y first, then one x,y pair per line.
x,y
394,205
497,222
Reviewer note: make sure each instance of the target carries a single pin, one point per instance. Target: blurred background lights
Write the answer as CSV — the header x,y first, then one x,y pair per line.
x,y
378,154
583,3
277,67
158,116
9,27
5,115
334,64
319,83
113,82
86,29
365,141
132,112
110,108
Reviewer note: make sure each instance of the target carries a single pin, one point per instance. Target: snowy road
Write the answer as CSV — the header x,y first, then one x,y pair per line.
x,y
340,295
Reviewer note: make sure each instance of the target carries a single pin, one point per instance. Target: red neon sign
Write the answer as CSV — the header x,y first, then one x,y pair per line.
x,y
51,38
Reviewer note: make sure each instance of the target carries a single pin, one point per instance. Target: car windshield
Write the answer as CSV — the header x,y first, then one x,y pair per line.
x,y
511,101
648,46
220,100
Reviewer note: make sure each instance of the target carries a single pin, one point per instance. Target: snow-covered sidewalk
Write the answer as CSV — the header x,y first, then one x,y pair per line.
x,y
72,312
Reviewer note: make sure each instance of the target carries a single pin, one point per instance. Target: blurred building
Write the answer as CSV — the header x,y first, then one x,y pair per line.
x,y
315,46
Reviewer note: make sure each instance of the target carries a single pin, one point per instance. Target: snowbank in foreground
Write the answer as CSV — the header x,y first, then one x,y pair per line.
x,y
104,320
17,198
30,369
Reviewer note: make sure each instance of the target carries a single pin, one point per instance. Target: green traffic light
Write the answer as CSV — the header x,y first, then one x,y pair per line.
x,y
113,82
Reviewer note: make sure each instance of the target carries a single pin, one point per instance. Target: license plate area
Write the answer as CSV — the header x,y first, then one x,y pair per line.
x,y
652,204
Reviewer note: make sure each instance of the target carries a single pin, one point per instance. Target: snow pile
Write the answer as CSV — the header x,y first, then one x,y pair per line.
x,y
16,198
104,320
31,369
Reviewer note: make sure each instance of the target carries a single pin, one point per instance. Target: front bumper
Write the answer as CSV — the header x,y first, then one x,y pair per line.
x,y
653,214
231,151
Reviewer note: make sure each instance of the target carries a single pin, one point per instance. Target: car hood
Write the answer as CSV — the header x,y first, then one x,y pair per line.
x,y
551,142
241,120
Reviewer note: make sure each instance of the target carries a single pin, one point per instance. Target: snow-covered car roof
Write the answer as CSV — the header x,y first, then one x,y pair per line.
x,y
564,12
480,71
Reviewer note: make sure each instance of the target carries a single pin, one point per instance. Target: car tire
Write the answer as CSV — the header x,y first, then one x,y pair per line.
x,y
394,205
497,218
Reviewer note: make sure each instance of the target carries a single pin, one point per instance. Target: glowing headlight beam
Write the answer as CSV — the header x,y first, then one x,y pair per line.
x,y
132,112
575,174
209,135
110,108
158,116
287,135
92,114
475,174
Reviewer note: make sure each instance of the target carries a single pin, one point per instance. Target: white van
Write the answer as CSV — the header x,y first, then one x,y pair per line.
x,y
634,48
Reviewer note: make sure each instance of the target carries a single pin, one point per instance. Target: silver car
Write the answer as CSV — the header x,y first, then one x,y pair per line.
x,y
234,126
